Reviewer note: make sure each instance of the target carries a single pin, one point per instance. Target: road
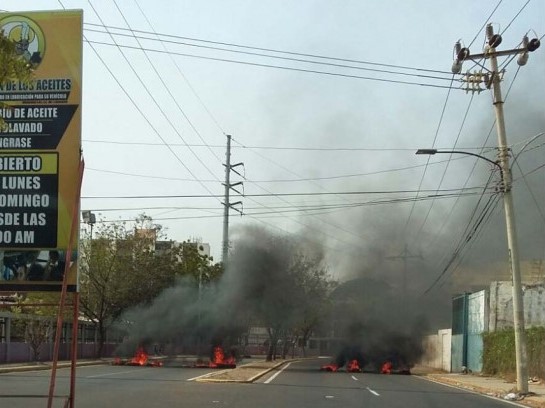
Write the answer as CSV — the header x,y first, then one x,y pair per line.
x,y
296,385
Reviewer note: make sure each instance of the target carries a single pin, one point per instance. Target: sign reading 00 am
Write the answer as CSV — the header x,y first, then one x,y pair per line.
x,y
40,145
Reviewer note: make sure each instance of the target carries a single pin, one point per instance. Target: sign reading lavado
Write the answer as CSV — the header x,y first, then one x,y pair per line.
x,y
40,145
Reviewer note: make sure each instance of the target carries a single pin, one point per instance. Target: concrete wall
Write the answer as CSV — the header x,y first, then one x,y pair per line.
x,y
18,352
501,305
437,350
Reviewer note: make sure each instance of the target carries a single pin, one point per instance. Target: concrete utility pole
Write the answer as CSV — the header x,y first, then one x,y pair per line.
x,y
492,79
226,204
405,255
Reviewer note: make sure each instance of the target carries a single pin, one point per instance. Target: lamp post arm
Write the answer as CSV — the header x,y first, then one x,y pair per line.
x,y
435,151
495,163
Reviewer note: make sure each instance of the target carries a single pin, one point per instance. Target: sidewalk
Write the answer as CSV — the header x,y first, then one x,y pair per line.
x,y
491,386
32,366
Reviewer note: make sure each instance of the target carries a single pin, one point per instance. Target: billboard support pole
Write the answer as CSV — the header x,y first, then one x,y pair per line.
x,y
68,256
74,349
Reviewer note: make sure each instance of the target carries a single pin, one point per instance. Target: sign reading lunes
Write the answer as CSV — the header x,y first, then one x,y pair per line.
x,y
40,144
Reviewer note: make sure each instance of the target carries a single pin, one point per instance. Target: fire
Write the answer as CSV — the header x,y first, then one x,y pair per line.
x,y
219,359
353,367
140,358
219,355
332,367
386,368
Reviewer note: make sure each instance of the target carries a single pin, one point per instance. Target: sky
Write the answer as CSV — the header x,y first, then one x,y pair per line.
x,y
323,98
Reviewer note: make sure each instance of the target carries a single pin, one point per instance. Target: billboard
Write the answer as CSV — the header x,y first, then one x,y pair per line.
x,y
40,145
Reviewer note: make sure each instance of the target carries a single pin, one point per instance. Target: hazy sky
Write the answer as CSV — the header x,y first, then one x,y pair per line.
x,y
154,122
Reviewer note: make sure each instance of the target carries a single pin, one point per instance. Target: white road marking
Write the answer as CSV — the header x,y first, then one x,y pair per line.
x,y
206,375
330,396
354,378
373,392
277,374
119,372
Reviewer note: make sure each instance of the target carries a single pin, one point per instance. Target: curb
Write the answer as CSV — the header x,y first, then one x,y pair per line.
x,y
48,366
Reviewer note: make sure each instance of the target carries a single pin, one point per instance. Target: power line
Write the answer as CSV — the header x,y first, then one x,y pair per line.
x,y
337,74
138,108
148,176
298,60
139,44
317,56
146,88
336,177
446,167
317,184
447,218
531,192
453,190
428,157
471,232
324,209
514,18
483,223
485,23
258,147
186,81
534,170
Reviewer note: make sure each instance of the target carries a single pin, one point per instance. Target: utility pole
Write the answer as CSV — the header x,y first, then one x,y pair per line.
x,y
405,255
227,204
492,79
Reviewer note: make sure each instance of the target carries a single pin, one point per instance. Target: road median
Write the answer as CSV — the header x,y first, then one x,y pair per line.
x,y
246,373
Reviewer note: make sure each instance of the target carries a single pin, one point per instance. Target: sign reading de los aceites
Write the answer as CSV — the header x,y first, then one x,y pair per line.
x,y
40,137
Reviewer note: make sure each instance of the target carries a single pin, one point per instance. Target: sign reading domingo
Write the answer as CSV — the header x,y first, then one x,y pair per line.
x,y
40,144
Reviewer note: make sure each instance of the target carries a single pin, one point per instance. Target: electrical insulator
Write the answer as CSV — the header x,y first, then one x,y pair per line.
x,y
456,67
495,40
489,31
533,44
463,54
457,47
523,58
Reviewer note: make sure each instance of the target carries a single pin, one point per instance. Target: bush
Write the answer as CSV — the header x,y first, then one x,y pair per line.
x,y
499,352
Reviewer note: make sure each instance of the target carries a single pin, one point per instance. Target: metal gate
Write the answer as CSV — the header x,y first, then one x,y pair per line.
x,y
468,323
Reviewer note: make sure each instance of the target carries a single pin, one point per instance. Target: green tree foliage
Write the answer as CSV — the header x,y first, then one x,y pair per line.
x,y
125,267
199,267
12,66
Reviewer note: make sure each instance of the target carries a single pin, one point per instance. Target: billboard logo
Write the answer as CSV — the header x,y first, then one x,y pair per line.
x,y
28,38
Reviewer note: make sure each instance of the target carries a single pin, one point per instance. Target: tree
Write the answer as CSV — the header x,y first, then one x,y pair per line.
x,y
12,66
123,267
35,323
200,267
282,280
314,303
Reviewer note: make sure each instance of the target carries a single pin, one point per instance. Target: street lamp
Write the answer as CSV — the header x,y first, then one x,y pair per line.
x,y
431,152
518,304
89,219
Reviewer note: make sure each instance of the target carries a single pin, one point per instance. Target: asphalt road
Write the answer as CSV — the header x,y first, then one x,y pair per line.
x,y
297,385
